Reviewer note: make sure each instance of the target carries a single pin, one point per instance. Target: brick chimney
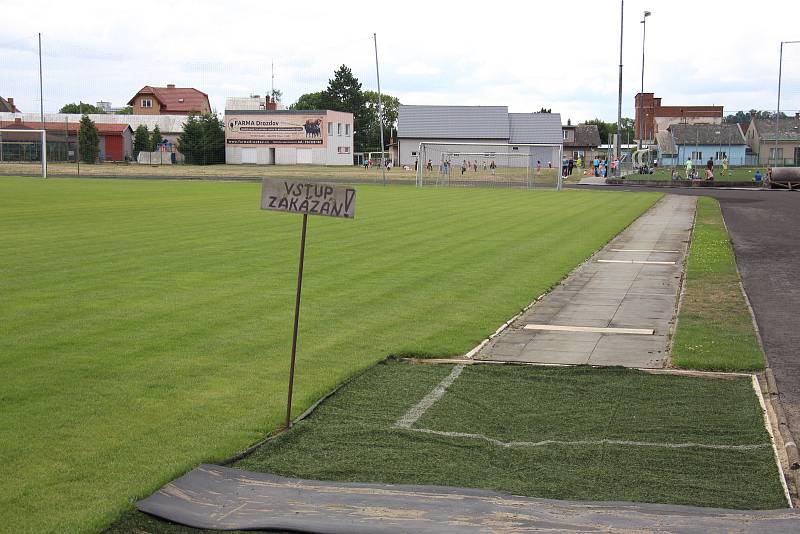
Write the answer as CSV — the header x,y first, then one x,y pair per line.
x,y
10,101
170,86
17,120
271,104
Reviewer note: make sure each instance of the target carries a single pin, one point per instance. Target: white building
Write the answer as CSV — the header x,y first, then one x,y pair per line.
x,y
287,137
482,127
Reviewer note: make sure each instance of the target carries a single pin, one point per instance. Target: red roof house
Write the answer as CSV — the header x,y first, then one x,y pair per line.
x,y
169,100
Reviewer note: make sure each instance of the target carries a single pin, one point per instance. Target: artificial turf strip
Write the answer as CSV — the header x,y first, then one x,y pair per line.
x,y
715,330
145,325
351,436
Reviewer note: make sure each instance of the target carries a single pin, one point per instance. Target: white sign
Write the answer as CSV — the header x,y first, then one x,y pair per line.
x,y
309,197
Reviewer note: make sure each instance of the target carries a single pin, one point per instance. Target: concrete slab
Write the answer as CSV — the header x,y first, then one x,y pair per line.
x,y
602,293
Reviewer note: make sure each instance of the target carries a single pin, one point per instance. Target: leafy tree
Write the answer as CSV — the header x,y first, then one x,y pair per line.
x,y
310,101
141,140
127,110
344,94
391,106
743,117
546,110
88,140
607,129
276,95
202,141
155,138
80,108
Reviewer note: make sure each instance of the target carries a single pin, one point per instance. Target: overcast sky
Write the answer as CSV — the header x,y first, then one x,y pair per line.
x,y
560,55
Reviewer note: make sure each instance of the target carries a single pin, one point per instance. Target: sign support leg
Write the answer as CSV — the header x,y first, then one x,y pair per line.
x,y
296,320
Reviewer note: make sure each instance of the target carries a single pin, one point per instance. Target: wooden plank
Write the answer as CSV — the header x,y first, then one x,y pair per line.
x,y
592,329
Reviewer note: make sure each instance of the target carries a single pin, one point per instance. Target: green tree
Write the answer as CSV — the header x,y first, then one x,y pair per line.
x,y
546,110
344,94
391,106
604,128
155,138
202,141
743,117
80,108
276,95
127,110
310,101
141,140
88,140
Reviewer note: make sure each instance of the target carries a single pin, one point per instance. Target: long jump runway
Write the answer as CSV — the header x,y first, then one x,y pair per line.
x,y
618,308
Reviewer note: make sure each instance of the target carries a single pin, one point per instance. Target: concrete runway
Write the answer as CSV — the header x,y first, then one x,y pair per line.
x,y
764,226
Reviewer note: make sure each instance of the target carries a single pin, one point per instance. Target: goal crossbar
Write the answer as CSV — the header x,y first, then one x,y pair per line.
x,y
44,143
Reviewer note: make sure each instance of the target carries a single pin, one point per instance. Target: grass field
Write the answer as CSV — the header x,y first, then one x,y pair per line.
x,y
715,330
558,418
145,325
737,174
546,178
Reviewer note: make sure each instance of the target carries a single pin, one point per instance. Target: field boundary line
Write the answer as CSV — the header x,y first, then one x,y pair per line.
x,y
768,425
604,441
419,409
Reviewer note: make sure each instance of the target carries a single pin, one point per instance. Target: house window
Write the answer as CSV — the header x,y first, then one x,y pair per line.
x,y
514,148
338,128
344,150
697,155
775,153
566,136
330,128
720,155
147,103
347,129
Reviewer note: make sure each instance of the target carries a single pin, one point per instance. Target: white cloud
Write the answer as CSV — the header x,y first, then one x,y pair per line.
x,y
562,56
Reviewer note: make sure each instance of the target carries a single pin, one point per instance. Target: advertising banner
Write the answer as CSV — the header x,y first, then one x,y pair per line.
x,y
298,130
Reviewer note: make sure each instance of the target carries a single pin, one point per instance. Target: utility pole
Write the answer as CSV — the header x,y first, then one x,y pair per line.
x,y
619,99
778,110
380,110
41,111
641,93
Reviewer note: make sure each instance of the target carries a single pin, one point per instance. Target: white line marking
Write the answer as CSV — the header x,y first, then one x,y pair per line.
x,y
638,262
762,402
544,443
645,250
419,409
594,329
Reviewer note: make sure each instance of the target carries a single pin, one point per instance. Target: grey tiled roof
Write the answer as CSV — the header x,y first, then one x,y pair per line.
x,y
707,134
453,122
535,128
665,143
585,135
789,129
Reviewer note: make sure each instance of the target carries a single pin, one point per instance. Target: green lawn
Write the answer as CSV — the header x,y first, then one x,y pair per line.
x,y
735,174
145,325
352,437
715,330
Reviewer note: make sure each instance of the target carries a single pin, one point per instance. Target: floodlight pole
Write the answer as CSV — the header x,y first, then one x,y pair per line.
x,y
619,98
778,111
380,109
296,319
41,112
641,93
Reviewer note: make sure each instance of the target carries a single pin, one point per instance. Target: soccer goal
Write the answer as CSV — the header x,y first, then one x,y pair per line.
x,y
24,146
489,165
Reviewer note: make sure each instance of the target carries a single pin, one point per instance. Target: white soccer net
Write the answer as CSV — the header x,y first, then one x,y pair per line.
x,y
23,151
489,165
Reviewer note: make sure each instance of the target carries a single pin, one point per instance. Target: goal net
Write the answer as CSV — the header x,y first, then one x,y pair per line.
x,y
489,165
24,151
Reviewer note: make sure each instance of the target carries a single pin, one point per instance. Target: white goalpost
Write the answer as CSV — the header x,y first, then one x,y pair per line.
x,y
17,139
464,164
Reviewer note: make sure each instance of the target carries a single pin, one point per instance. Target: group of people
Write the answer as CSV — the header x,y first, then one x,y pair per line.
x,y
600,167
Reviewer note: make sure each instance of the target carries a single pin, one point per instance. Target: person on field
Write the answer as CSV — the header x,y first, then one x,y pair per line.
x,y
758,176
430,165
725,166
463,167
689,166
596,165
710,165
493,167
